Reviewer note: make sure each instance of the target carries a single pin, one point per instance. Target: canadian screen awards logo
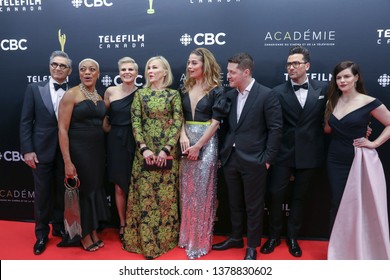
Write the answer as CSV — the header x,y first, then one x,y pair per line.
x,y
150,11
61,39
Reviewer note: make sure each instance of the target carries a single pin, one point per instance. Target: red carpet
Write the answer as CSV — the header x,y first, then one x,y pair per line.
x,y
17,240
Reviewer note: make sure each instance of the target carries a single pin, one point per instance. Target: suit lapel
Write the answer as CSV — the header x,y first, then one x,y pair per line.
x,y
291,99
233,109
311,100
252,96
44,91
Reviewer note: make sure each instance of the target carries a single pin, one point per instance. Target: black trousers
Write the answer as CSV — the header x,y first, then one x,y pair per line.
x,y
49,196
246,183
279,188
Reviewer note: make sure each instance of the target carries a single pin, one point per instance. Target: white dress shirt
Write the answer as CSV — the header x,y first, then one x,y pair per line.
x,y
301,93
56,95
242,97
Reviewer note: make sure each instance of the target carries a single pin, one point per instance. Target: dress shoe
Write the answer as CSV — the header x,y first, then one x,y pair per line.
x,y
68,242
58,233
250,254
269,246
40,246
229,243
293,247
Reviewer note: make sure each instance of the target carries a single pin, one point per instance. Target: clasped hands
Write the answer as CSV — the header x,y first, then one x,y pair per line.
x,y
152,159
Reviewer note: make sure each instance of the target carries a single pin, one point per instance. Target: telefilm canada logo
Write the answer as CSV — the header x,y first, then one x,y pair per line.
x,y
383,37
121,41
16,6
306,38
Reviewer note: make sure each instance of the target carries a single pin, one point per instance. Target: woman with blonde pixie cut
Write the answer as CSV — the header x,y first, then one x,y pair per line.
x,y
152,219
204,105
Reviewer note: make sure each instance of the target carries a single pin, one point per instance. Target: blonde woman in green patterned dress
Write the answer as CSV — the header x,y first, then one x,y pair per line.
x,y
152,220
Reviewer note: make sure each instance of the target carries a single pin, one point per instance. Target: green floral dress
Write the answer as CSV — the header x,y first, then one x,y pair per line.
x,y
152,220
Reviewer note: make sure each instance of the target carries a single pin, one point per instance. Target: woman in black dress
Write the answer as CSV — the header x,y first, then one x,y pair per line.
x,y
120,140
81,136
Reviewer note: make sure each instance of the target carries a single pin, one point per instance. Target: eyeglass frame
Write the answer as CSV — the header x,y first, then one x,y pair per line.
x,y
294,64
55,65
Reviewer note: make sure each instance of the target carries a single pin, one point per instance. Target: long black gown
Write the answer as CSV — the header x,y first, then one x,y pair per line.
x,y
86,143
341,151
120,143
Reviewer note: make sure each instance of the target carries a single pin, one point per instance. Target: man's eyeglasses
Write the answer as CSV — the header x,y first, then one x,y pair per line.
x,y
54,65
294,64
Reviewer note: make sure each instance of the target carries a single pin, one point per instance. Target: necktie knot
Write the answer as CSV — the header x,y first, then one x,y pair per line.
x,y
297,87
58,86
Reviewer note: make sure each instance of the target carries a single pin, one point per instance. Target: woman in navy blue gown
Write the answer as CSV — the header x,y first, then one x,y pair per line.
x,y
348,113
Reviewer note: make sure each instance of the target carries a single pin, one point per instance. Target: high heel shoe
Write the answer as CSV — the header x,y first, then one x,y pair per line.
x,y
91,248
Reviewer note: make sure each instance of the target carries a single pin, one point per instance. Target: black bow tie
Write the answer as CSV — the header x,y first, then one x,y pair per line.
x,y
297,87
57,86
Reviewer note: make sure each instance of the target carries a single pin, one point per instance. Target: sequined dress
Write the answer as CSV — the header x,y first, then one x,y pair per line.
x,y
198,179
152,218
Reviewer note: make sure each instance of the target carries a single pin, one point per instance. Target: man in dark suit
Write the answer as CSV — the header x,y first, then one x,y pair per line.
x,y
301,150
254,129
40,148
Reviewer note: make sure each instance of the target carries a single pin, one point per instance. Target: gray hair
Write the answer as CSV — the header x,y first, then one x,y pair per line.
x,y
91,60
60,54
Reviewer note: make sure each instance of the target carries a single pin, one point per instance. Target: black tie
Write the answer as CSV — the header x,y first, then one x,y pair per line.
x,y
297,87
57,86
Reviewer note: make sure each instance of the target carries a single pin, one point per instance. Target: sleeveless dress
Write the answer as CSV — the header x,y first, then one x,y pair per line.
x,y
152,219
120,143
198,179
358,194
86,144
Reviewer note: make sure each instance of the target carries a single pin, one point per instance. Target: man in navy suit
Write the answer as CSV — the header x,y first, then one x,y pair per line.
x,y
253,133
40,148
301,150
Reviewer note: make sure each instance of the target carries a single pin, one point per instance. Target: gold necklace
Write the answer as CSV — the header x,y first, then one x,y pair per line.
x,y
94,96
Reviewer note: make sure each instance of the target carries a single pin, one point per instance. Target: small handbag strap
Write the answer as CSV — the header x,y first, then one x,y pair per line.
x,y
68,186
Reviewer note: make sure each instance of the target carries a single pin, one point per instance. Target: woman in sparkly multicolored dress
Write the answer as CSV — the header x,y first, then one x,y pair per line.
x,y
204,106
152,218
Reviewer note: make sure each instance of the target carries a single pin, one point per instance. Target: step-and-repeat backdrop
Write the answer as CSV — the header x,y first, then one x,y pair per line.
x,y
106,30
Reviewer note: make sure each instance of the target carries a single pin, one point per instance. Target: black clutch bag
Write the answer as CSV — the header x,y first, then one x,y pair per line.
x,y
154,167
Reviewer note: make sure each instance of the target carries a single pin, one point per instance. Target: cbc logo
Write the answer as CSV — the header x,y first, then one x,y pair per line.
x,y
13,44
206,39
11,156
91,3
107,81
